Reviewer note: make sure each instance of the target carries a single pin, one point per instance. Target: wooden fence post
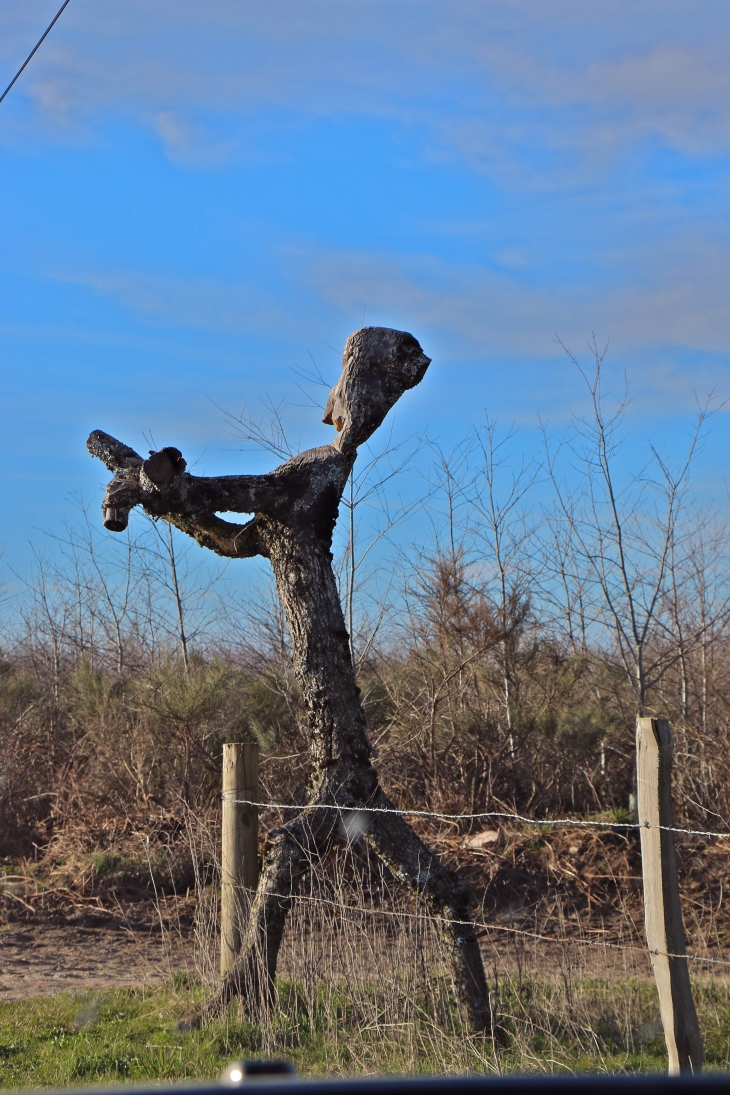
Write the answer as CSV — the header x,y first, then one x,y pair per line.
x,y
662,909
239,844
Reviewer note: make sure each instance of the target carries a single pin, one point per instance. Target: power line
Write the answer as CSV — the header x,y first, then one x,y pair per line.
x,y
35,49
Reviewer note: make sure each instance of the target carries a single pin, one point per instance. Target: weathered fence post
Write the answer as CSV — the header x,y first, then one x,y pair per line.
x,y
662,910
239,850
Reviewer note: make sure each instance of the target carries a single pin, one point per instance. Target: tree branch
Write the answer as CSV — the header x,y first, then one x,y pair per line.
x,y
303,493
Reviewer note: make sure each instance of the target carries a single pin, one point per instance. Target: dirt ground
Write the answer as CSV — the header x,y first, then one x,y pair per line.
x,y
42,959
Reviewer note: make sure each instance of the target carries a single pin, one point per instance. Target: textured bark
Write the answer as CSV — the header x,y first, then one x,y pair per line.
x,y
295,510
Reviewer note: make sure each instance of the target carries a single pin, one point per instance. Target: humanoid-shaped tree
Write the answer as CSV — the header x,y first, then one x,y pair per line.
x,y
295,508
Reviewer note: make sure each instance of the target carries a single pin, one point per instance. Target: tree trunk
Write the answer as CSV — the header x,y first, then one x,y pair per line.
x,y
341,774
296,509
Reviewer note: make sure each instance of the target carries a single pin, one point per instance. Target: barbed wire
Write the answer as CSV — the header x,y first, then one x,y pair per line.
x,y
480,926
501,815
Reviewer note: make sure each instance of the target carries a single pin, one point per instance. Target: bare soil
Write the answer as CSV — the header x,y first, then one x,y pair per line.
x,y
38,959
54,941
42,960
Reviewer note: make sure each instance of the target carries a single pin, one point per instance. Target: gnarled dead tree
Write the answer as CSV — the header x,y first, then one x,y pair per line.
x,y
295,509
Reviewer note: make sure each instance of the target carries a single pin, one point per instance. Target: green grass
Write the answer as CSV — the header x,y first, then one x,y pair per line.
x,y
132,1035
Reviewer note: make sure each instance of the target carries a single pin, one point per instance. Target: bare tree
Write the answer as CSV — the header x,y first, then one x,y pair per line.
x,y
623,536
507,536
295,509
180,606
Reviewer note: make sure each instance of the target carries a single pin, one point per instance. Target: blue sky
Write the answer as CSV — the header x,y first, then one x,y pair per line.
x,y
197,197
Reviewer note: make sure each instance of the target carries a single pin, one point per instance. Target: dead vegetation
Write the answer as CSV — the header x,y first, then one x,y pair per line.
x,y
499,672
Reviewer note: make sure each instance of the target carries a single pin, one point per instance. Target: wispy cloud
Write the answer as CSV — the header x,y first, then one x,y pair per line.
x,y
670,295
193,303
485,80
189,144
663,309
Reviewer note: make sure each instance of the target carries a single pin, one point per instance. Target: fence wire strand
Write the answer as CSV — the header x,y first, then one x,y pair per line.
x,y
497,815
481,926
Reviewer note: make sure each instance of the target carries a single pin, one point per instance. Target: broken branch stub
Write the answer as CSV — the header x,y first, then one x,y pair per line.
x,y
378,366
162,467
122,493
